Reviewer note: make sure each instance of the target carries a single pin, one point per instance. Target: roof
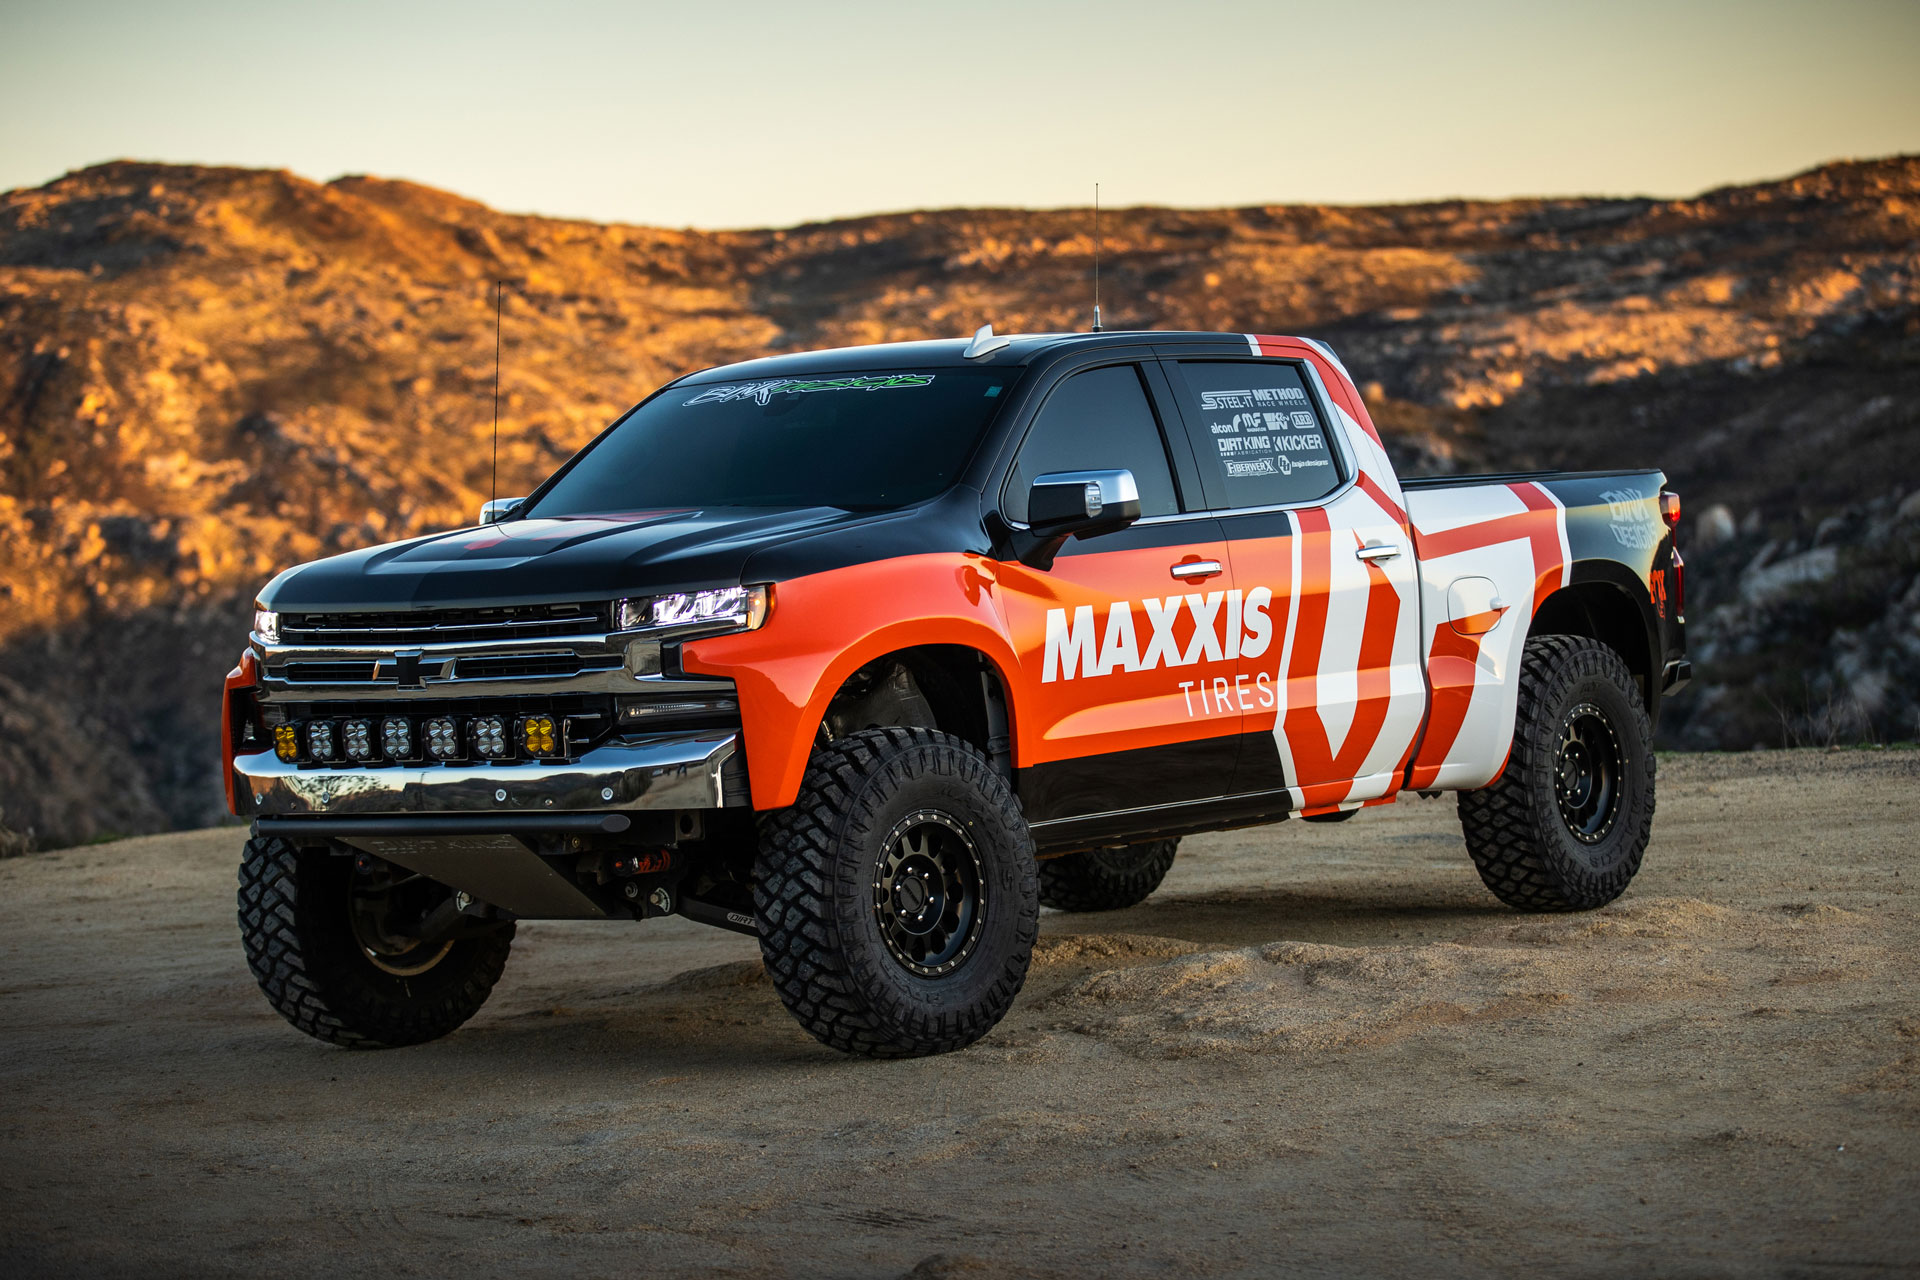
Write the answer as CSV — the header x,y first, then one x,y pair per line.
x,y
1020,349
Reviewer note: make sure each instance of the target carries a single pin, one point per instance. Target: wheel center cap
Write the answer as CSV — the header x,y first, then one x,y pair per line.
x,y
911,895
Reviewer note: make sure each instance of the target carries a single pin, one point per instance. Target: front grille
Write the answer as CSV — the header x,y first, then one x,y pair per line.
x,y
444,626
356,671
516,666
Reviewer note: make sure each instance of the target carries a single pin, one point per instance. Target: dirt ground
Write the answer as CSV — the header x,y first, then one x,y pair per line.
x,y
1319,1050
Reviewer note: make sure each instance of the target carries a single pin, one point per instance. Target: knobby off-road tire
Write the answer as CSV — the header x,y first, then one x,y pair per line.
x,y
861,888
1566,825
297,923
1105,879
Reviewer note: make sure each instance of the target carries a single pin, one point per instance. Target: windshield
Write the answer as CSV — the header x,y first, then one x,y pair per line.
x,y
864,442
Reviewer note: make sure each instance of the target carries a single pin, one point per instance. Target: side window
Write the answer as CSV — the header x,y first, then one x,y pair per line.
x,y
1100,420
1256,432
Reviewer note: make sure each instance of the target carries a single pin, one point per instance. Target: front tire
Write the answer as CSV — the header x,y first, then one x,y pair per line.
x,y
1565,826
1106,879
325,937
896,896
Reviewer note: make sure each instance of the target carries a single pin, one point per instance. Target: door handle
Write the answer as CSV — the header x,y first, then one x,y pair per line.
x,y
1191,569
1376,551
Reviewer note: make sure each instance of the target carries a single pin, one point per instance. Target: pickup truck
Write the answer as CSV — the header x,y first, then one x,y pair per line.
x,y
871,653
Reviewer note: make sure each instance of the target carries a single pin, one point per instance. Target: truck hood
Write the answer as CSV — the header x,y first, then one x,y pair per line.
x,y
548,561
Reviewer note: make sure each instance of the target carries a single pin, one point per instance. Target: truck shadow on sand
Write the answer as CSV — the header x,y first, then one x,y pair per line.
x,y
1360,916
1260,970
1232,973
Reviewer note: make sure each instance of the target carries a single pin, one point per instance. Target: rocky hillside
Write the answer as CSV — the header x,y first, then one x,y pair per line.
x,y
206,374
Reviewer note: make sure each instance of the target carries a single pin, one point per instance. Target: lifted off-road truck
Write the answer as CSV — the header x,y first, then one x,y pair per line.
x,y
871,653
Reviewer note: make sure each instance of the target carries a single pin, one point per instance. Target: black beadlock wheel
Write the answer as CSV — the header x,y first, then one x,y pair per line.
x,y
1564,828
1106,879
896,896
326,938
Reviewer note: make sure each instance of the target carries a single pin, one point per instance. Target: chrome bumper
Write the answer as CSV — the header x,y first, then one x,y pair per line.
x,y
689,770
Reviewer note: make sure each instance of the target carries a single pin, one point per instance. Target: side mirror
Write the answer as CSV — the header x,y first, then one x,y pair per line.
x,y
499,509
1082,504
1075,504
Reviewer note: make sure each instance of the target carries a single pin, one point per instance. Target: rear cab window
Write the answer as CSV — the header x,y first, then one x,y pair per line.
x,y
1258,432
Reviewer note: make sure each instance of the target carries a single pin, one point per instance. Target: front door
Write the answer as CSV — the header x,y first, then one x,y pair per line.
x,y
1124,643
1317,534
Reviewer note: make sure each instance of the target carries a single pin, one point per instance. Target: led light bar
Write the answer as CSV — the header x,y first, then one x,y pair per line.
x,y
443,738
396,738
489,735
358,735
538,735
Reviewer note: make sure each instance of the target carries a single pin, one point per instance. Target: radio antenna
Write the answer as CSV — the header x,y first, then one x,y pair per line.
x,y
499,290
1096,257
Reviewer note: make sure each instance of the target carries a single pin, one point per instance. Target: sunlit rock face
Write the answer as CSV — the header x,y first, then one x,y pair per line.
x,y
207,374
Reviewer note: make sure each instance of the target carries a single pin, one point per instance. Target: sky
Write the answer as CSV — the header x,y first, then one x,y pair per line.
x,y
736,113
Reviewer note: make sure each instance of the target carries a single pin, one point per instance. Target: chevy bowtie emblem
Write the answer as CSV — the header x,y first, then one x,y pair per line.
x,y
406,668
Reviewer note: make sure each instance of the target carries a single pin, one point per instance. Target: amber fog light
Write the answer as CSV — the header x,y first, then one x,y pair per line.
x,y
286,742
537,733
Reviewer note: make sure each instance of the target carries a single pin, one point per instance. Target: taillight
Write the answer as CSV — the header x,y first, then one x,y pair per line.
x,y
1670,509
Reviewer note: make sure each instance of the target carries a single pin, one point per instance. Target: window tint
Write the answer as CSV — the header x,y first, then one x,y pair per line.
x,y
1099,420
861,441
1257,433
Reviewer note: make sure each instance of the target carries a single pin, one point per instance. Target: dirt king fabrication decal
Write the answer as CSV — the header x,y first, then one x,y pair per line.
x,y
1226,625
1264,439
762,392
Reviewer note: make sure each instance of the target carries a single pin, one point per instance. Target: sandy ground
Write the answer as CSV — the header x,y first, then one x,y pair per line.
x,y
1318,1050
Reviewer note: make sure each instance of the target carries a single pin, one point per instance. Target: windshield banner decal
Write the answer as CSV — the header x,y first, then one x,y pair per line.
x,y
765,390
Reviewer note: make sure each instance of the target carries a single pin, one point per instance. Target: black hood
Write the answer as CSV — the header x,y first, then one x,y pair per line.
x,y
549,561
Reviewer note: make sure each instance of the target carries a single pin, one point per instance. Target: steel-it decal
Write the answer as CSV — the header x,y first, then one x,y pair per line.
x,y
762,392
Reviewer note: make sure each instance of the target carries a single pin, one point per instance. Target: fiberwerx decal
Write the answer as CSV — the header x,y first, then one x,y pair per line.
x,y
765,390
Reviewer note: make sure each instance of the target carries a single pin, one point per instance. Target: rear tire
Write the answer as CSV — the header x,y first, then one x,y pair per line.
x,y
896,896
1106,879
1565,826
326,966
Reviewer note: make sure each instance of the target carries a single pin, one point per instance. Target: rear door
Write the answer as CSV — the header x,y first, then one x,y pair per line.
x,y
1319,546
1124,670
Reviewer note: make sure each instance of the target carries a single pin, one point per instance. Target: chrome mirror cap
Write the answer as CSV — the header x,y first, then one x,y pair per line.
x,y
1083,503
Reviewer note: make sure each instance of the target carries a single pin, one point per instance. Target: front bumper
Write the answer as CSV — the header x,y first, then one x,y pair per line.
x,y
694,769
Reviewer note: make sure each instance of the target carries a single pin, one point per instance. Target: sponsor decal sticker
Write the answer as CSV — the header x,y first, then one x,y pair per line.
x,y
765,390
1629,515
1143,636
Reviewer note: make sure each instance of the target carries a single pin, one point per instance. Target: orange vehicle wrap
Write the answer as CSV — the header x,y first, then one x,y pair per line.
x,y
1130,682
1063,702
825,626
1517,532
245,675
1352,697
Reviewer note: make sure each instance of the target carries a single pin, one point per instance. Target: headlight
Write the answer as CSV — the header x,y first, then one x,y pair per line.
x,y
744,607
630,614
266,625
